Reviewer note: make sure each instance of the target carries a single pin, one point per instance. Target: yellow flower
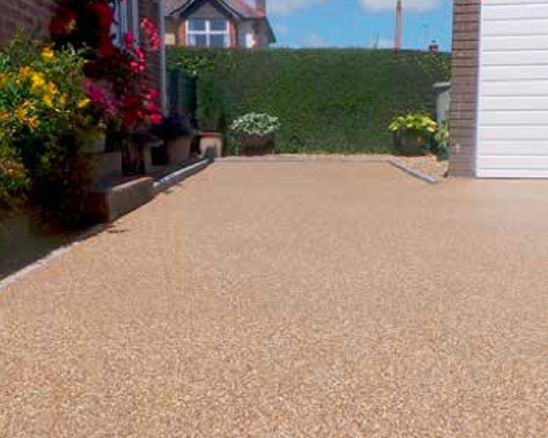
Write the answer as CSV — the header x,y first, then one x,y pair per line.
x,y
32,123
63,99
38,82
51,88
83,103
24,73
4,116
4,77
47,53
48,100
21,112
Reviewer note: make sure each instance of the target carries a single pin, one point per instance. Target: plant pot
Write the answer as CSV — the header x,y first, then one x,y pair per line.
x,y
107,166
410,143
211,145
148,150
256,144
177,149
98,145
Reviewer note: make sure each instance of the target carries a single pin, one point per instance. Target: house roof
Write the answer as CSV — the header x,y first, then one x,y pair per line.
x,y
237,7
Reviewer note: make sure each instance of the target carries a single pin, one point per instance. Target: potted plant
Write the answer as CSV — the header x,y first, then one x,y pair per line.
x,y
255,132
412,132
176,132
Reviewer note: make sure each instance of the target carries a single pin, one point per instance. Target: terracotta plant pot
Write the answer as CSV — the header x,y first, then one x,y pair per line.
x,y
211,145
410,143
177,149
256,144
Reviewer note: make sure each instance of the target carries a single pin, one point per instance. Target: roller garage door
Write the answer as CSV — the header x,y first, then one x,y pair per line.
x,y
513,90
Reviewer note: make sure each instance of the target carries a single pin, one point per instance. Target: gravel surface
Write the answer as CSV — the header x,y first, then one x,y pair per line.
x,y
291,300
428,165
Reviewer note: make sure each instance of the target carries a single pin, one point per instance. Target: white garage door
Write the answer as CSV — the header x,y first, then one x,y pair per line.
x,y
513,90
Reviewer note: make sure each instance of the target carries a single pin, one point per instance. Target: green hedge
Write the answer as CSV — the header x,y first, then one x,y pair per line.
x,y
328,100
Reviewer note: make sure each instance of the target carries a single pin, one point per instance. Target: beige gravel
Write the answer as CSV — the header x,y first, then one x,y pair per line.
x,y
428,165
291,300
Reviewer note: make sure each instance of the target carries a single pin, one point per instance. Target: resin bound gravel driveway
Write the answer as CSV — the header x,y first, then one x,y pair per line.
x,y
291,299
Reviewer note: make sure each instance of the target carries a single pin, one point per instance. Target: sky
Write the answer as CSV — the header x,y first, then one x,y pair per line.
x,y
360,23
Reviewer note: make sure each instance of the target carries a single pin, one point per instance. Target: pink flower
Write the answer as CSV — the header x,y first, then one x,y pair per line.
x,y
156,118
129,40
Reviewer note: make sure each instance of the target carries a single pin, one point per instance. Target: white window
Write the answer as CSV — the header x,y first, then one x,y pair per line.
x,y
126,15
207,33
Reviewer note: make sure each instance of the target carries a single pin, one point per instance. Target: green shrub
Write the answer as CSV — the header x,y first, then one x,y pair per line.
x,y
255,124
327,100
13,181
44,119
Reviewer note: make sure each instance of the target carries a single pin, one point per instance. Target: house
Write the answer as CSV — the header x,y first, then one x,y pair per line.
x,y
218,23
33,17
499,110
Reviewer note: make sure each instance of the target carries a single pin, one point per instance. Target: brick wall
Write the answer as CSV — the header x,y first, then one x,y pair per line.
x,y
29,16
464,96
151,10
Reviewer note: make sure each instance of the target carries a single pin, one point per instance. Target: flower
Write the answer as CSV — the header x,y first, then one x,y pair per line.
x,y
4,78
63,99
32,123
156,118
82,103
24,73
48,100
38,82
51,88
129,41
47,54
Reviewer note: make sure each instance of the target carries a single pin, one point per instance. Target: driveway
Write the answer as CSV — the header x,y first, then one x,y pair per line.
x,y
322,299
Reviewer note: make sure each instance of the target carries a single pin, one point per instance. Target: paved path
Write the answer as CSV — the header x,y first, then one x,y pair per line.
x,y
289,300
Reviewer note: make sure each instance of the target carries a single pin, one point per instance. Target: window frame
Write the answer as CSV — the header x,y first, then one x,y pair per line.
x,y
208,32
127,17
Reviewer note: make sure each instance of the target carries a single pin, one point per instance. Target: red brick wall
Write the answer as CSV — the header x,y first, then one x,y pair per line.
x,y
151,10
29,16
464,97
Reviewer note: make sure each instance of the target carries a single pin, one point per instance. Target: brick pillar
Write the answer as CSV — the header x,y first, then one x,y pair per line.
x,y
464,87
181,33
233,34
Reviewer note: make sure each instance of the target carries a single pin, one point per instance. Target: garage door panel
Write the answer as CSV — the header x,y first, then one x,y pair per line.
x,y
513,90
512,173
534,162
513,57
515,11
514,103
522,88
517,132
511,148
501,3
514,118
514,73
533,26
515,42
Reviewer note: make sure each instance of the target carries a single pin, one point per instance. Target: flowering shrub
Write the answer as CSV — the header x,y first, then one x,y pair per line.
x,y
13,180
255,124
44,117
41,94
420,124
117,78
